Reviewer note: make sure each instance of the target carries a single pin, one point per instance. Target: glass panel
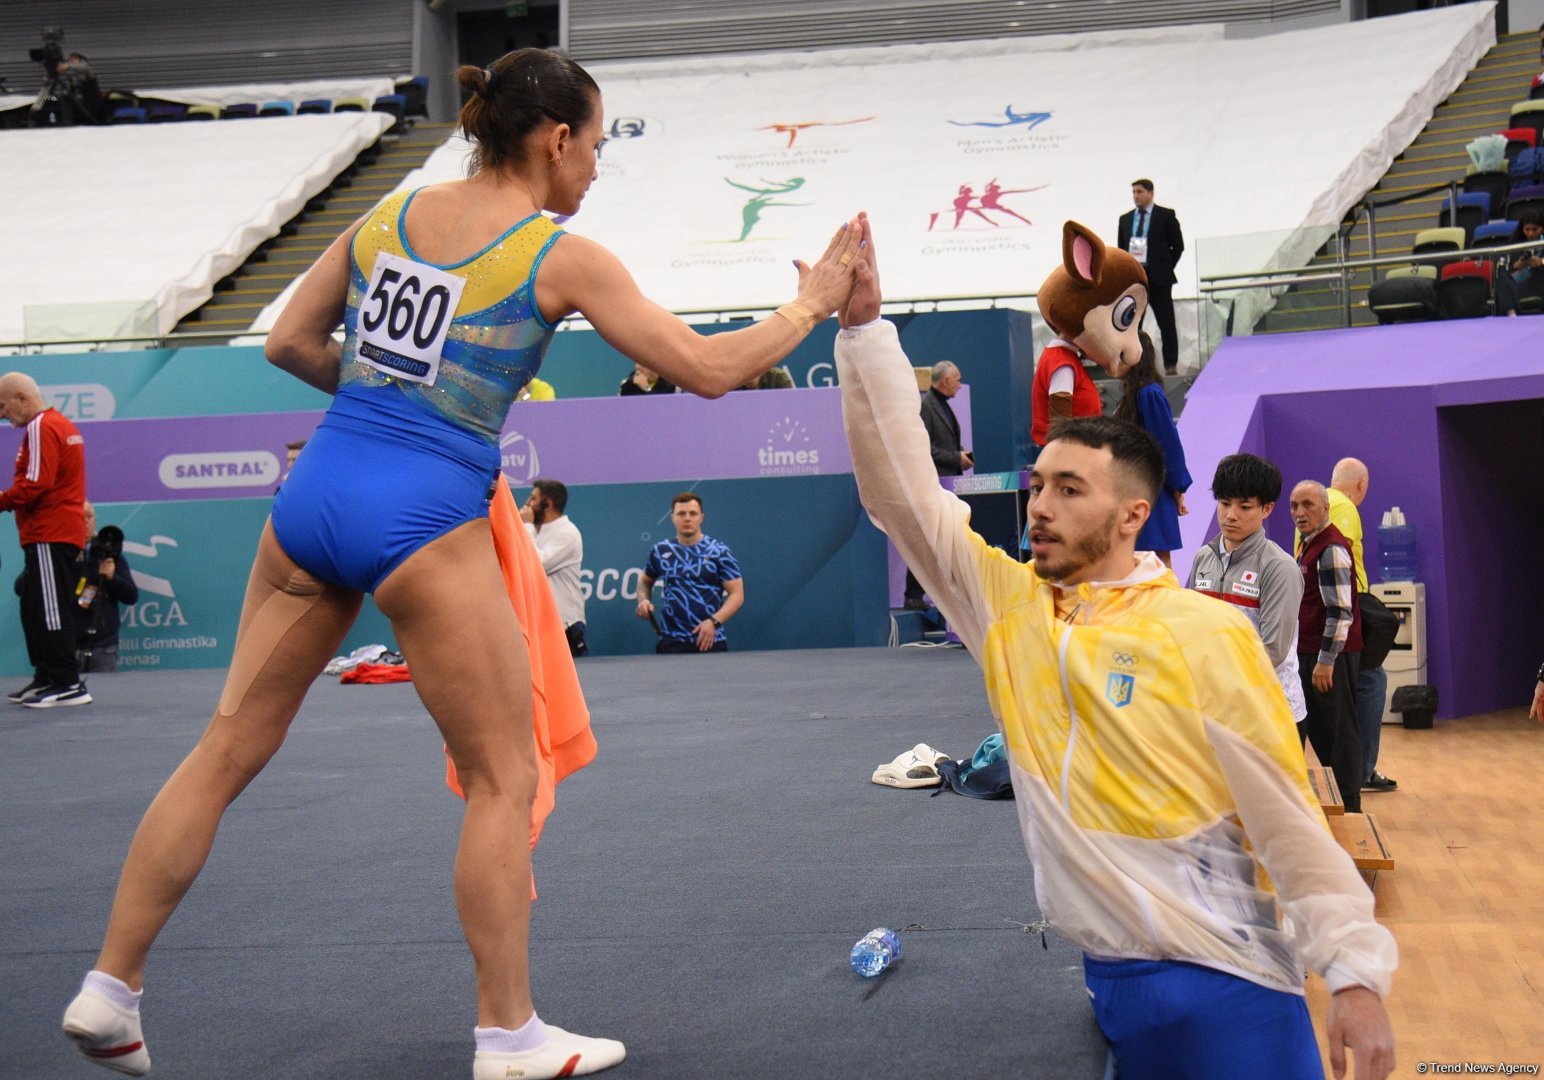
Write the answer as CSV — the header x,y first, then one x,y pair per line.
x,y
47,323
1272,282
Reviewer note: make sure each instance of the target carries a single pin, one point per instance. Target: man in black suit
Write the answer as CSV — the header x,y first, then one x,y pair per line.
x,y
1151,233
943,432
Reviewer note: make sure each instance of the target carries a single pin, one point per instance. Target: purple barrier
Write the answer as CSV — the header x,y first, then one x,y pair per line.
x,y
765,433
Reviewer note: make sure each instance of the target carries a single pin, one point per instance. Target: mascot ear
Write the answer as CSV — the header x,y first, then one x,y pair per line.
x,y
1082,253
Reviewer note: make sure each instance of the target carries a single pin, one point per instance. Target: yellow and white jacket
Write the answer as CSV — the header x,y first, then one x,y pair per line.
x,y
1160,781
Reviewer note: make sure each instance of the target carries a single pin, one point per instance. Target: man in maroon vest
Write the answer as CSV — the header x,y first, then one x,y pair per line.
x,y
1329,640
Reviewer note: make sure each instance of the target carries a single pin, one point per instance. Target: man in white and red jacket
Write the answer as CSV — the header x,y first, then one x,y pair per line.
x,y
48,496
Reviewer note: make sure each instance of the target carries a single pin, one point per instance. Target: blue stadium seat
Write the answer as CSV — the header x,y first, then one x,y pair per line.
x,y
239,111
166,114
128,115
277,108
394,106
1495,234
415,92
315,105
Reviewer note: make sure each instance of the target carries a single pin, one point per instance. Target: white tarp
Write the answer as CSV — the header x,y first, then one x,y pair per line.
x,y
970,156
157,212
257,93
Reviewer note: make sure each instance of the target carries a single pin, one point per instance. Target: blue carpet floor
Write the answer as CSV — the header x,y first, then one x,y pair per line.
x,y
700,884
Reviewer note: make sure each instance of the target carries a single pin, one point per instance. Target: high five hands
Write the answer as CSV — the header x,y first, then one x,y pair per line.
x,y
862,303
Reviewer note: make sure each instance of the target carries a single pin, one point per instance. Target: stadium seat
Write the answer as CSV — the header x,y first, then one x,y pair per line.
x,y
166,114
1519,139
1529,114
1429,241
277,108
1527,197
1495,234
1526,167
1494,184
415,92
1463,289
1407,294
315,105
394,106
128,115
1473,211
240,111
203,112
351,104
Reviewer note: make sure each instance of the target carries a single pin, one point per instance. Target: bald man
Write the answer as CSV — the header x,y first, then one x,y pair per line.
x,y
1329,639
48,496
1348,487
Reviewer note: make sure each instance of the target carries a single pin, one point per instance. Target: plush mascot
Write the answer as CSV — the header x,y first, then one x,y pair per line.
x,y
1094,303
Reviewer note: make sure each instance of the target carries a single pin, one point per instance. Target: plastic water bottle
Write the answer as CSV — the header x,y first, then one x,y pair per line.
x,y
877,950
1396,547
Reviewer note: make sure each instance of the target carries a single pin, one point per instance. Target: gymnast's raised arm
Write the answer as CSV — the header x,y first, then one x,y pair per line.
x,y
581,275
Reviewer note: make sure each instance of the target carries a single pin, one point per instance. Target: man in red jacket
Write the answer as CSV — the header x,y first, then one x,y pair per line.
x,y
49,496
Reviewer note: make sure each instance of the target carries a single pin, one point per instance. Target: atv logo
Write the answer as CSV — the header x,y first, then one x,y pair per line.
x,y
517,457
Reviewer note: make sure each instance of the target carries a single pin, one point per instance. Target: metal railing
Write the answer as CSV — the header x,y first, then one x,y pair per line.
x,y
174,338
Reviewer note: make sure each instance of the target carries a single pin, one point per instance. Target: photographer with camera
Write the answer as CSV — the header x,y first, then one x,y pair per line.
x,y
70,94
104,582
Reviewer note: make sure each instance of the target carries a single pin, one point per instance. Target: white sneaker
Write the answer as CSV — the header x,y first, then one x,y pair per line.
x,y
106,1034
916,768
563,1054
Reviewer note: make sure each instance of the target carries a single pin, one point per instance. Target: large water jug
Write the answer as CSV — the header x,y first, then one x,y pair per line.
x,y
1396,547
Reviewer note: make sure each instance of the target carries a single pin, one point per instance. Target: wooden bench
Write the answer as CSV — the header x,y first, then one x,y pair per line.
x,y
1359,835
1322,780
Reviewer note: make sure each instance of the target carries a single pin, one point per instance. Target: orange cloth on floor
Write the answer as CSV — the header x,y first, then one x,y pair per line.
x,y
564,744
376,673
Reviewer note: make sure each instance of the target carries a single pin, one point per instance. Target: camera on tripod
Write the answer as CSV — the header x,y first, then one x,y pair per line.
x,y
51,55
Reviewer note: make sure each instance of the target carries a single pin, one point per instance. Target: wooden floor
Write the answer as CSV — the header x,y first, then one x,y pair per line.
x,y
1466,901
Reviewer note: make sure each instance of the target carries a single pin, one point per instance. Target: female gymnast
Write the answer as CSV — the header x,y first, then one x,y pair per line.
x,y
449,296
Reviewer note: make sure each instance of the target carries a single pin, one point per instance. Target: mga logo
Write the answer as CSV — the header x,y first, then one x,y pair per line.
x,y
157,606
1119,689
517,457
221,468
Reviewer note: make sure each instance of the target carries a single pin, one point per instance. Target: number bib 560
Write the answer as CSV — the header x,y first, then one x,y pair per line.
x,y
405,317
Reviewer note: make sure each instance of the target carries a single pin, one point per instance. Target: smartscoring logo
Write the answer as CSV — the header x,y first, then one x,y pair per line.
x,y
222,468
787,451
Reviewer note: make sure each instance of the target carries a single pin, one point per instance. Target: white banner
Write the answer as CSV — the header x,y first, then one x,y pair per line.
x,y
968,157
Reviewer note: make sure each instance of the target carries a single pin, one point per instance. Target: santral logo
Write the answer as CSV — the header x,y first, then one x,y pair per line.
x,y
517,457
221,468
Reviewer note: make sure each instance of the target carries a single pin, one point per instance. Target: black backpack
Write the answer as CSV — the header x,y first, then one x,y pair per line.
x,y
1379,628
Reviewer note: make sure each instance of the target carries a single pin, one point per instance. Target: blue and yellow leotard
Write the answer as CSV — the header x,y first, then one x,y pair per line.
x,y
397,463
